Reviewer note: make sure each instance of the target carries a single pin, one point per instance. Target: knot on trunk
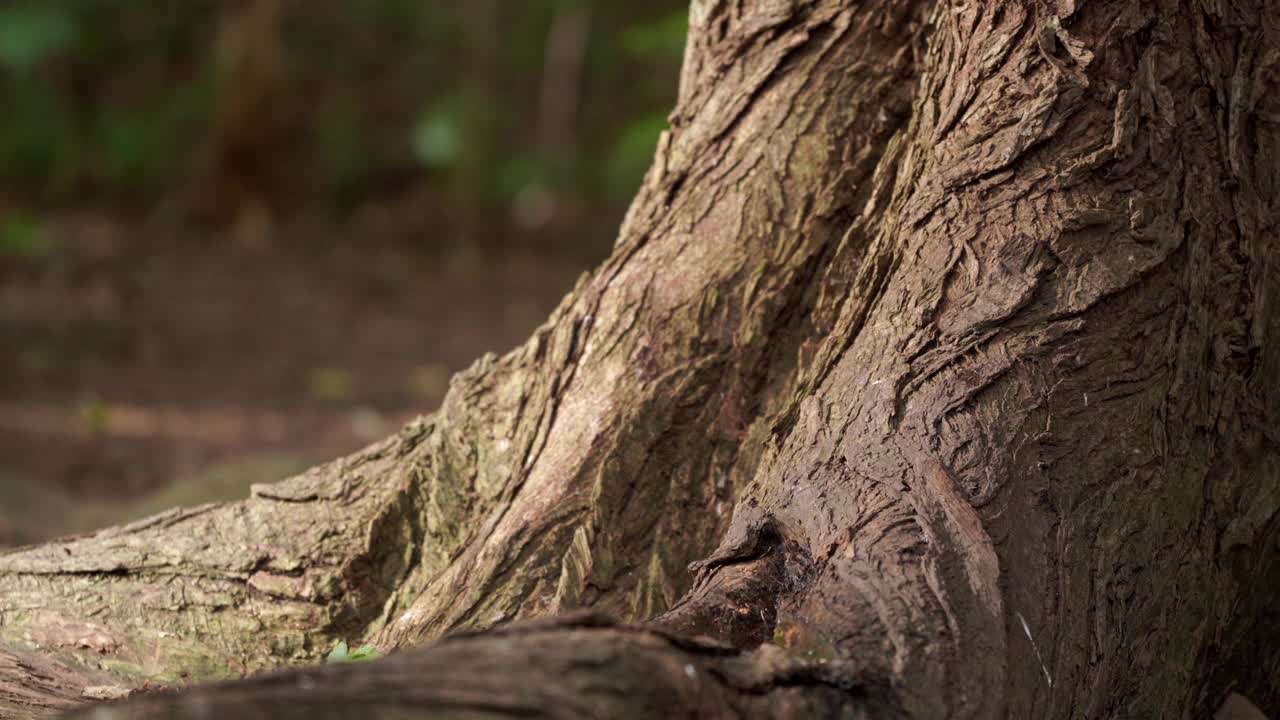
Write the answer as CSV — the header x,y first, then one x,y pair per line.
x,y
740,591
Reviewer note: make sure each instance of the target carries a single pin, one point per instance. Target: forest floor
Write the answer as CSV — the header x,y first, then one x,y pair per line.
x,y
145,369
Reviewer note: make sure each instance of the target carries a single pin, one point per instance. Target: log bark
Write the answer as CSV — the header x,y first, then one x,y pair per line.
x,y
935,373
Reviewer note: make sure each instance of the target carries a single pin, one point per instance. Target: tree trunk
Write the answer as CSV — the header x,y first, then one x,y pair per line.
x,y
936,373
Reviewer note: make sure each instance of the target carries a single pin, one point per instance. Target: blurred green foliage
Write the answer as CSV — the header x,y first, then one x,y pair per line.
x,y
125,103
85,105
22,237
662,37
438,137
29,34
634,150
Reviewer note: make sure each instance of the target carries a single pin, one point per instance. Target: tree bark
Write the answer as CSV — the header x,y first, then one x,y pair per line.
x,y
936,373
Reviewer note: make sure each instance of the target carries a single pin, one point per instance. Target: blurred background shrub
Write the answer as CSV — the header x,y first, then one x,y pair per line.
x,y
486,122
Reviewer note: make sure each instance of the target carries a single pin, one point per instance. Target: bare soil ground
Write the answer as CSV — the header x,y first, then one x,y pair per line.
x,y
141,369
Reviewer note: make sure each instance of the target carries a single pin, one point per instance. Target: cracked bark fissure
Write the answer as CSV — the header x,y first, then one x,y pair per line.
x,y
936,372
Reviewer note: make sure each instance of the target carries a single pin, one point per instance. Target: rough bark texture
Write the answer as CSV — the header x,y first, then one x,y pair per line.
x,y
936,372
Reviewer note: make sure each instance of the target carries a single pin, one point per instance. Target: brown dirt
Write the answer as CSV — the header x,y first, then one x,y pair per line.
x,y
159,366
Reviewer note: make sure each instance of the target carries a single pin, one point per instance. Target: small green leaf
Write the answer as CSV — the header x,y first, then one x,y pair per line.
x,y
342,653
364,652
338,653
